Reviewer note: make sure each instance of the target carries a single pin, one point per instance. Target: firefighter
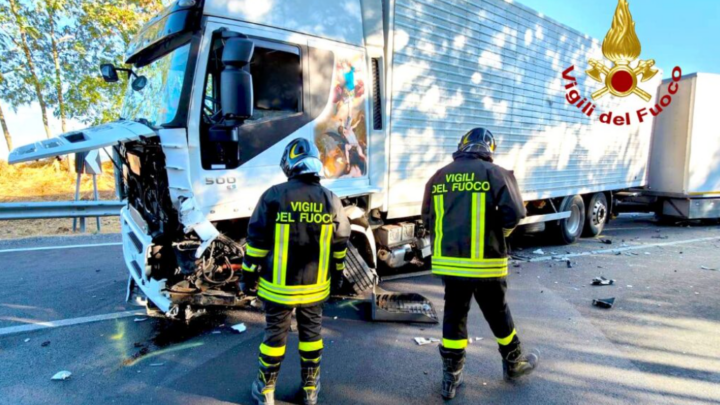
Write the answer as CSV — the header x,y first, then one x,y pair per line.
x,y
471,206
296,247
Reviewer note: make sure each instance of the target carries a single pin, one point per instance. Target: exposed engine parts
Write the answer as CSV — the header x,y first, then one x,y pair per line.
x,y
402,245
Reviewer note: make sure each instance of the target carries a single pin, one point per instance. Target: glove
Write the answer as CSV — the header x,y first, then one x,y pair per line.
x,y
336,282
250,281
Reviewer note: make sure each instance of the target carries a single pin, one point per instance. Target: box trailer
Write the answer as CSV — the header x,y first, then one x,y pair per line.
x,y
684,170
385,88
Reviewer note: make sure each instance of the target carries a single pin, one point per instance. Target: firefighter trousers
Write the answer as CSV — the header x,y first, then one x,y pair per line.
x,y
490,295
278,319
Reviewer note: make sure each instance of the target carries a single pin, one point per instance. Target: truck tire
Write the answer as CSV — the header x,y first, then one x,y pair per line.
x,y
567,231
597,214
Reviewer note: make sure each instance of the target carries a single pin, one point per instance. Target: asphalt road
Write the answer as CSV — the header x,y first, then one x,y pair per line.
x,y
658,345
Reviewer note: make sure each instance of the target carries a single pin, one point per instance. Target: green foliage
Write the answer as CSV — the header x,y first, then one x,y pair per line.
x,y
68,40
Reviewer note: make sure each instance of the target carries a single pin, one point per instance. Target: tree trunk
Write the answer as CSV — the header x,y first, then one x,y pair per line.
x,y
50,7
31,66
5,129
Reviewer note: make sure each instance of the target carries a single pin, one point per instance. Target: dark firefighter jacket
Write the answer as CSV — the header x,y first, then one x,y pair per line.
x,y
470,206
297,238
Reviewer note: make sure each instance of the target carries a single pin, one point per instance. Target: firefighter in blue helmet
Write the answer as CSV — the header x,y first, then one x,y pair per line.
x,y
470,206
296,247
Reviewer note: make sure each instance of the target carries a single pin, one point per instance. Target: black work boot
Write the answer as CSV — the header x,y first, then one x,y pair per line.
x,y
263,388
453,364
517,364
310,372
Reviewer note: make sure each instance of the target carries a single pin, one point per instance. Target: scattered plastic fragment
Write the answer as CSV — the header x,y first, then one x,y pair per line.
x,y
606,241
602,281
45,343
61,375
239,328
569,264
27,340
606,303
538,252
708,268
647,253
157,364
660,237
140,319
421,341
478,338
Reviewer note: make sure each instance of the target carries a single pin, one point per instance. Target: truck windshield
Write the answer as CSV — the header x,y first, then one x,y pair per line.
x,y
158,102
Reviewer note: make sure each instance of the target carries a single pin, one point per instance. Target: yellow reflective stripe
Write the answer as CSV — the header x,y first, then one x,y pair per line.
x,y
255,252
506,340
247,268
272,351
293,300
310,346
340,266
480,237
311,360
463,262
323,264
439,213
267,364
293,289
282,234
470,272
454,344
340,255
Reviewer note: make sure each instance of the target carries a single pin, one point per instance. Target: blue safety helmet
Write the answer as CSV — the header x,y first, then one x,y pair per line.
x,y
301,157
478,140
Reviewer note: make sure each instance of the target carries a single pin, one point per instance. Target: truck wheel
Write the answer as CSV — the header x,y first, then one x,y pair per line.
x,y
597,215
567,231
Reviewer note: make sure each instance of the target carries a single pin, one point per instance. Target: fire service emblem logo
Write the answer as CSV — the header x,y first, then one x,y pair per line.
x,y
622,46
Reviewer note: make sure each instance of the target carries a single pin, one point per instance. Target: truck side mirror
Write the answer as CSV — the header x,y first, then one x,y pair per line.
x,y
236,85
109,73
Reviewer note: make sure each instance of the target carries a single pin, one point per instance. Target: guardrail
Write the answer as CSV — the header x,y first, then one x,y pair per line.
x,y
60,209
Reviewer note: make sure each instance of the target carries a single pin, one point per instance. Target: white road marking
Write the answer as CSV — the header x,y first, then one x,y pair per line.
x,y
559,256
619,250
60,247
67,322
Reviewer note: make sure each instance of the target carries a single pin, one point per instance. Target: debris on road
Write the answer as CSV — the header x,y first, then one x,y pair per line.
x,y
61,375
569,264
629,286
140,319
157,364
45,343
27,340
606,303
216,332
239,328
660,237
538,252
602,281
421,341
708,268
606,241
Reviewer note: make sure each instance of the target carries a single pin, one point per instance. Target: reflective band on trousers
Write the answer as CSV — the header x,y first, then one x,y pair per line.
x,y
293,299
506,340
294,289
310,346
454,344
272,351
282,234
324,262
472,268
439,214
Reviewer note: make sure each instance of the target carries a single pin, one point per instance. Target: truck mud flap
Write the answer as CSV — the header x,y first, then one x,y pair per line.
x,y
357,272
401,307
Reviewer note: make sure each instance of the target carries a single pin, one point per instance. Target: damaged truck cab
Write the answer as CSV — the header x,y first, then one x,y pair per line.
x,y
384,88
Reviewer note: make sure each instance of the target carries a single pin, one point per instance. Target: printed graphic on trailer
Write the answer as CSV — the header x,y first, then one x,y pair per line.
x,y
622,48
341,133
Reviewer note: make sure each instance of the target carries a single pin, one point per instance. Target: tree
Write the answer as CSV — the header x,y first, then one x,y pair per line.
x,y
52,7
13,83
22,22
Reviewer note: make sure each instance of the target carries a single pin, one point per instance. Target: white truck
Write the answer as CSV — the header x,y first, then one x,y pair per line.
x,y
385,88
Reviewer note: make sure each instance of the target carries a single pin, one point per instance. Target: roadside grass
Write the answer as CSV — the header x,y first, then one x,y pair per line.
x,y
46,180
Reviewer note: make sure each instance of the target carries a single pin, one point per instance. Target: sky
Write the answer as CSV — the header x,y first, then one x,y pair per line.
x,y
675,33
